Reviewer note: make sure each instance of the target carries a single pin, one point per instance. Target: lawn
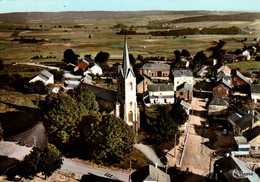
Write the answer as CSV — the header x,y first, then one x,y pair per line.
x,y
246,65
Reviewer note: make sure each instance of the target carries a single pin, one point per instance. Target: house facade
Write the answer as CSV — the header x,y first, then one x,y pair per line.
x,y
217,107
155,70
179,77
222,89
143,82
45,76
239,81
184,92
161,94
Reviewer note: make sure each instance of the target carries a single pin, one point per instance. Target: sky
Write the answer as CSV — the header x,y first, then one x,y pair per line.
x,y
7,6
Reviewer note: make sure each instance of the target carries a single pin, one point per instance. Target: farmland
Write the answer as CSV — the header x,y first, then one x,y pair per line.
x,y
91,34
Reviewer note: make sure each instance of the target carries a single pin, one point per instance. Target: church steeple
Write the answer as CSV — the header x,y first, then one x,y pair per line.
x,y
126,66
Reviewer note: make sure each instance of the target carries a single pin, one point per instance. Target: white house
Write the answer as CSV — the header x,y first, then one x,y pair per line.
x,y
247,54
45,76
95,70
161,93
179,77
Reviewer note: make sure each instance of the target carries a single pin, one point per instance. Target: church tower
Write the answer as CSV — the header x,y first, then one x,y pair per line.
x,y
126,106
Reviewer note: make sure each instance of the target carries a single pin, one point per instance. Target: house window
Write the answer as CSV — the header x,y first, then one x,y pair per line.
x,y
131,86
238,82
181,93
235,78
130,116
165,101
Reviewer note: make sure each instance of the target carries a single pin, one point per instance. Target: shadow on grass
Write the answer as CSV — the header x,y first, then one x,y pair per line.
x,y
18,121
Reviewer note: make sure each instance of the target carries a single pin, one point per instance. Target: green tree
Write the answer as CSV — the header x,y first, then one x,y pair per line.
x,y
102,57
70,57
58,75
62,115
41,159
86,97
163,122
106,137
132,59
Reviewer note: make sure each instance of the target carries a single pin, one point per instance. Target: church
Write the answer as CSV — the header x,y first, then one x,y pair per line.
x,y
126,105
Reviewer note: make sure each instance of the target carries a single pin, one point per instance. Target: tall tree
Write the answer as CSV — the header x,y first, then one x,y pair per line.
x,y
86,97
132,59
41,159
102,57
185,53
106,137
61,116
200,58
70,57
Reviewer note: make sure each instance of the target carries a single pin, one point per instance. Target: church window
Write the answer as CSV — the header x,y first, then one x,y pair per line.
x,y
130,116
131,103
131,86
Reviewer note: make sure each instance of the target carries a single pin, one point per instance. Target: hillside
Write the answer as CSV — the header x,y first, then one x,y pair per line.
x,y
73,15
208,18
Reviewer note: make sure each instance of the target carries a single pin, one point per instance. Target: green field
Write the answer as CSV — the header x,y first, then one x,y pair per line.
x,y
60,35
247,65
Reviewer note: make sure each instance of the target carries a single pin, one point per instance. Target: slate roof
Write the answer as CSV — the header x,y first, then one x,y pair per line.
x,y
185,104
219,102
126,66
185,85
160,87
245,121
255,88
155,66
182,73
234,117
46,74
230,165
255,132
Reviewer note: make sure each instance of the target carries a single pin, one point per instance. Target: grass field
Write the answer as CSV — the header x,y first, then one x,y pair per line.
x,y
61,35
247,65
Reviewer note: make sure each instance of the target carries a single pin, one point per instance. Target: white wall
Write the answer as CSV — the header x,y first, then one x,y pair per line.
x,y
180,80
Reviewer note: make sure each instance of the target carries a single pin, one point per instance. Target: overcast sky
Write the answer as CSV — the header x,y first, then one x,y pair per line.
x,y
127,5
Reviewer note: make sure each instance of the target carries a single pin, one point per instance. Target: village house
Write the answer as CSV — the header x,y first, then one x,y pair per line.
x,y
253,137
239,81
217,107
161,94
226,69
229,58
231,169
255,93
224,75
179,77
45,76
241,124
150,173
156,71
142,82
82,64
222,89
242,146
94,69
184,92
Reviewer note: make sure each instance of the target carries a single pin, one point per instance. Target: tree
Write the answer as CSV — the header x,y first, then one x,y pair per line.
x,y
58,75
37,87
177,54
106,137
70,57
200,58
86,97
185,53
42,159
1,65
102,57
163,116
61,116
132,59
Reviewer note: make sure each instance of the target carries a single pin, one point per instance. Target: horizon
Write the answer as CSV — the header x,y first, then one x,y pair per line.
x,y
19,6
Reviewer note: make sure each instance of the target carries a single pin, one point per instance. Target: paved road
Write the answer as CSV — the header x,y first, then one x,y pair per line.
x,y
34,136
82,169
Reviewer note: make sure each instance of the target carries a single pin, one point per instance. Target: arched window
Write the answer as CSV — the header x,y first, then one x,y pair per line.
x,y
131,86
130,116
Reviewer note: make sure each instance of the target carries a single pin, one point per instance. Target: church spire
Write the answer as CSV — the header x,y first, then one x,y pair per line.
x,y
126,61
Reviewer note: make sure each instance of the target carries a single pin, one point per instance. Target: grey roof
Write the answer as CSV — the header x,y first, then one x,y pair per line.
x,y
246,121
185,85
234,117
46,74
225,82
126,66
255,132
182,73
156,66
255,88
230,165
185,104
160,87
219,102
